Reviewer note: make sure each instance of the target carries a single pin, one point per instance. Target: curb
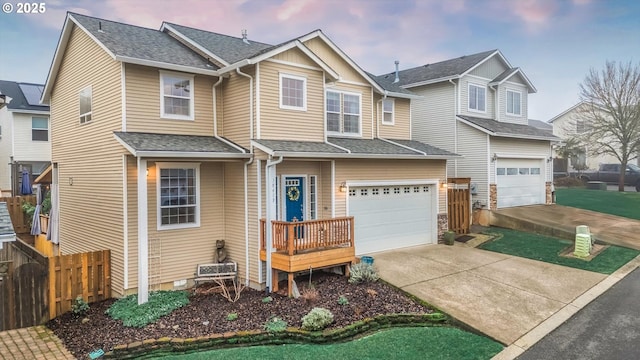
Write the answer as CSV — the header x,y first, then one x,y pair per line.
x,y
536,334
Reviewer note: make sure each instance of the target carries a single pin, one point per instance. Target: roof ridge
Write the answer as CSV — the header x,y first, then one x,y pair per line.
x,y
443,61
113,21
213,32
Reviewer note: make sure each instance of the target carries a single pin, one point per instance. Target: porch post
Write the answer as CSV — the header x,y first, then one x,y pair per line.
x,y
143,241
271,198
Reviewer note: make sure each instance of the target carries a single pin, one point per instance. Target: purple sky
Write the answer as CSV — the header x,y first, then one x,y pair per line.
x,y
554,42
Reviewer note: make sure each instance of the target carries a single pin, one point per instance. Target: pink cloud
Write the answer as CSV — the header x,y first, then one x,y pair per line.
x,y
533,12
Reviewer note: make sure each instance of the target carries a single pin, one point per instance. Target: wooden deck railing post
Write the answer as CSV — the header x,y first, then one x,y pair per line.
x,y
352,230
291,238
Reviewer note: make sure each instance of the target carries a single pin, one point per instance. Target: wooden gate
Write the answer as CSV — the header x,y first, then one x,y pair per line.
x,y
23,292
459,204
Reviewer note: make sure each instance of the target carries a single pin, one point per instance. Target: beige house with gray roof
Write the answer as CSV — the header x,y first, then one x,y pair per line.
x,y
164,141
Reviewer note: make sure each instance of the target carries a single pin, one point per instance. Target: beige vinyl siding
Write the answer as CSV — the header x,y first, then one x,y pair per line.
x,y
233,117
325,191
295,55
89,158
502,103
335,62
286,124
25,149
143,104
366,112
433,116
490,68
401,119
464,97
371,170
521,147
234,214
472,145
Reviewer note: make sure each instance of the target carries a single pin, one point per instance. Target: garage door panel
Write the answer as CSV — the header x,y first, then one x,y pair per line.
x,y
520,182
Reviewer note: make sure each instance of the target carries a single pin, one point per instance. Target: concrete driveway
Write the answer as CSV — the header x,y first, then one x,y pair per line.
x,y
500,295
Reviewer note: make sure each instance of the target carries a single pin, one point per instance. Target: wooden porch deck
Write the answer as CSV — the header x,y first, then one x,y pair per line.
x,y
305,245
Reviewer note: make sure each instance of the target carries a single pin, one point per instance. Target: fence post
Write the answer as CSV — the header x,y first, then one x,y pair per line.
x,y
12,305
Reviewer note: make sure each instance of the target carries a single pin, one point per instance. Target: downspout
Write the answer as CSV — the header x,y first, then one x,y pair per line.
x,y
271,209
379,109
250,101
215,106
246,219
455,125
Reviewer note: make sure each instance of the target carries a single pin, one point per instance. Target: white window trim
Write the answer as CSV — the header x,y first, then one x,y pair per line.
x,y
507,102
90,113
47,129
393,112
177,165
342,113
163,115
469,98
304,92
313,197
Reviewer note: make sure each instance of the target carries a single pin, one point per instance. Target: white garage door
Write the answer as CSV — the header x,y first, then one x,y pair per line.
x,y
520,182
390,217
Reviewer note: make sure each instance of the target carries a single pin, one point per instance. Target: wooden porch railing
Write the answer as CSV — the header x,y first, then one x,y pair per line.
x,y
293,237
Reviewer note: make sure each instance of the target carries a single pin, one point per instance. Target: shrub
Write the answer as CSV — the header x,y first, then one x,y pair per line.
x,y
232,316
568,182
363,272
267,299
342,300
79,306
160,303
310,294
317,319
275,324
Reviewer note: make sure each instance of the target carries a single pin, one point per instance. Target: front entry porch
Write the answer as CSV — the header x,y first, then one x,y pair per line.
x,y
304,245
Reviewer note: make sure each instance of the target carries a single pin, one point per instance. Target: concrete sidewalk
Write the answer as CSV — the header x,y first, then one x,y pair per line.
x,y
36,342
502,296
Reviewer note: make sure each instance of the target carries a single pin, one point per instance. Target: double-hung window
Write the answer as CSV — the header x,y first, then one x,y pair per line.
x,y
178,187
477,98
86,96
293,92
387,111
343,111
514,103
39,129
176,96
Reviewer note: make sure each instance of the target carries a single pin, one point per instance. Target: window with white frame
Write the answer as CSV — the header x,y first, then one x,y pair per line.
x,y
477,98
293,92
176,96
387,111
178,189
514,103
86,107
39,129
343,113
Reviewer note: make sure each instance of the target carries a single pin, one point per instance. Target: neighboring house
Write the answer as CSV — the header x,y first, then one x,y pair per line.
x,y
568,124
165,141
476,106
24,134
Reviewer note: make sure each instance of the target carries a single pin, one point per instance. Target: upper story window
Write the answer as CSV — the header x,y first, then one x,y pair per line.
x,y
343,113
477,98
86,106
582,126
176,100
293,92
514,103
388,106
39,129
178,187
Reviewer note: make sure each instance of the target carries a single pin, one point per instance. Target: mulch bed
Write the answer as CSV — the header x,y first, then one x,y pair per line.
x,y
207,313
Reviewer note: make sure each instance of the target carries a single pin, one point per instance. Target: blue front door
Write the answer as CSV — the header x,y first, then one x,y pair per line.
x,y
294,198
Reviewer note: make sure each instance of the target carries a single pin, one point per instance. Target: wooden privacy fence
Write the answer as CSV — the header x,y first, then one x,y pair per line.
x,y
459,208
18,218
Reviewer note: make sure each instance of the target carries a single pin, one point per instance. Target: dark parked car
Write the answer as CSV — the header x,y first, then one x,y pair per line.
x,y
610,173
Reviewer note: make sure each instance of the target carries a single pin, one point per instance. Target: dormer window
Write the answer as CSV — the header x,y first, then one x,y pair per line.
x,y
176,100
387,111
477,98
293,92
514,103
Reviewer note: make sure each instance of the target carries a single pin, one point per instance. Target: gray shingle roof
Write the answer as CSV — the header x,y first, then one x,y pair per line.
x,y
437,70
386,82
175,143
300,146
6,227
505,74
541,125
371,146
498,128
426,148
18,100
141,43
230,49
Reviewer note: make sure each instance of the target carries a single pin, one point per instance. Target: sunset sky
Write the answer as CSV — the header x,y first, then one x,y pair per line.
x,y
554,42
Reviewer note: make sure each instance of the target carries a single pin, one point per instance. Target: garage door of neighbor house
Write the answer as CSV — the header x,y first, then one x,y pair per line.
x,y
520,182
394,216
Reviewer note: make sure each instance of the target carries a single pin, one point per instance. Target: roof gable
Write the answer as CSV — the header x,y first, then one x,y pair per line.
x,y
512,73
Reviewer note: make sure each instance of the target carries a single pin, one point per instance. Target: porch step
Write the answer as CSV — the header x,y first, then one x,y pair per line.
x,y
500,219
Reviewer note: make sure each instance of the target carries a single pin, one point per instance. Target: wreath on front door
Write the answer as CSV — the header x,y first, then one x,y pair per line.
x,y
293,193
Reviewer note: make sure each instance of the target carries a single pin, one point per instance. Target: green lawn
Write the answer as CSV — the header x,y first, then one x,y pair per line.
x,y
394,343
625,204
547,249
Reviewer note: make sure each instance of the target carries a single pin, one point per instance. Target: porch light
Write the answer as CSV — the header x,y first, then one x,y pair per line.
x,y
443,184
343,187
494,158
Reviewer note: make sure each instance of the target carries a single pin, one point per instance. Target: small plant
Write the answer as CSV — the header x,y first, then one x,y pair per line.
x,y
310,294
275,324
237,287
79,307
342,300
363,272
160,303
317,319
232,316
267,299
372,293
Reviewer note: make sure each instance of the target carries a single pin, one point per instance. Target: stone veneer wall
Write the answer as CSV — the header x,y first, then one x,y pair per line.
x,y
443,225
549,195
493,197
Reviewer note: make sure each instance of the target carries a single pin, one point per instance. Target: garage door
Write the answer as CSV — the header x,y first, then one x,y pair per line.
x,y
520,182
391,217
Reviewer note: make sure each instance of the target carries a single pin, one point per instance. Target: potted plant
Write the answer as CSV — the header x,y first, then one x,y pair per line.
x,y
449,237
